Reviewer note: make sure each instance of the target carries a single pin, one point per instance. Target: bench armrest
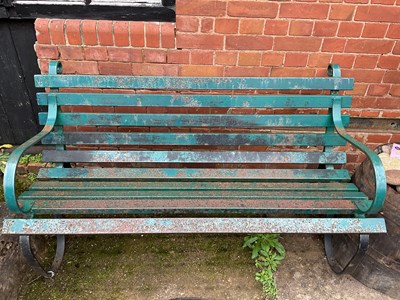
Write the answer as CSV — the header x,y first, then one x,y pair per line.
x,y
12,163
379,171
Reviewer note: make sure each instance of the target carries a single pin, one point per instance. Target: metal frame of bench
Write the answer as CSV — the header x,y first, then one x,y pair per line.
x,y
52,132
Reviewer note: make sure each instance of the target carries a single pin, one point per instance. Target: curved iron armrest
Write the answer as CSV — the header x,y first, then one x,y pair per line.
x,y
379,171
12,163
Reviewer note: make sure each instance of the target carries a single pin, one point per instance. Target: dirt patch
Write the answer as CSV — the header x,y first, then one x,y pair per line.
x,y
205,266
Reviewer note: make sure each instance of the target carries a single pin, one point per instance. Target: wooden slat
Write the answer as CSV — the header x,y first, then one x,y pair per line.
x,y
193,83
192,120
212,139
194,157
188,186
177,194
156,174
193,225
179,100
188,206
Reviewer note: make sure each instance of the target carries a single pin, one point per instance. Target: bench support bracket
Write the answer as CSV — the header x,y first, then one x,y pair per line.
x,y
353,262
31,258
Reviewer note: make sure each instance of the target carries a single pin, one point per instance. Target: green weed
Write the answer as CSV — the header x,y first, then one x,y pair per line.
x,y
267,252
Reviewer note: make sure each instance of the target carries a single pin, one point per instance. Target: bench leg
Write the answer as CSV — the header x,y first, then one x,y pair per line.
x,y
353,262
30,257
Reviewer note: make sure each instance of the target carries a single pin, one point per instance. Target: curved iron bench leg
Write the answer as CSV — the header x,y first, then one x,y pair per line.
x,y
353,262
30,257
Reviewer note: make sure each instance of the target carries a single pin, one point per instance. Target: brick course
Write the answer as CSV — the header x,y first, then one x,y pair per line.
x,y
245,38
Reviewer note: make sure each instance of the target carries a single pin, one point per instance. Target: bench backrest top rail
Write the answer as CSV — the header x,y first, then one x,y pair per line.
x,y
193,83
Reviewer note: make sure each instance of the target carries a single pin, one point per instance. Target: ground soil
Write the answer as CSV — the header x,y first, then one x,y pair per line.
x,y
206,266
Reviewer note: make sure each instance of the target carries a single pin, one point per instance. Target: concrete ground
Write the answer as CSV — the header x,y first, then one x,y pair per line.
x,y
206,266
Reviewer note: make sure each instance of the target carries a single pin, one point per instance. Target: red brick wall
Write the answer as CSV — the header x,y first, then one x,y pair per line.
x,y
247,38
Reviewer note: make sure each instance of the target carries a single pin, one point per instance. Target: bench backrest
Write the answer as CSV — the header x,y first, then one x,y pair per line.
x,y
216,114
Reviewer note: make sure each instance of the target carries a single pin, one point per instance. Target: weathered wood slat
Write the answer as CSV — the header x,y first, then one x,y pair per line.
x,y
188,186
155,174
211,139
192,120
193,83
194,157
193,225
179,100
206,194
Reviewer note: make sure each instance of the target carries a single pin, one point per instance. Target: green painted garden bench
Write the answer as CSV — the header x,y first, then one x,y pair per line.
x,y
192,162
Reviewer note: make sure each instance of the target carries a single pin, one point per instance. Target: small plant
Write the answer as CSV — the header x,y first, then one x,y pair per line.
x,y
31,177
267,252
31,158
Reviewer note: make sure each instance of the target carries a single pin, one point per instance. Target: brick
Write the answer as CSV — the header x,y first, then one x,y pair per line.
x,y
359,89
178,56
333,45
201,71
378,89
370,114
350,29
247,71
152,34
70,52
367,76
319,60
342,12
89,32
292,72
344,60
378,138
226,58
325,28
392,77
389,62
95,53
155,55
378,13
80,67
363,102
395,90
56,29
73,32
251,26
121,33
302,28
42,31
392,114
396,49
207,25
394,31
199,41
369,46
249,58
154,70
273,59
43,65
136,33
297,43
244,42
115,68
187,23
304,11
199,57
276,27
167,35
125,54
384,2
386,103
201,8
226,25
295,59
47,51
254,9
374,30
104,31
366,61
